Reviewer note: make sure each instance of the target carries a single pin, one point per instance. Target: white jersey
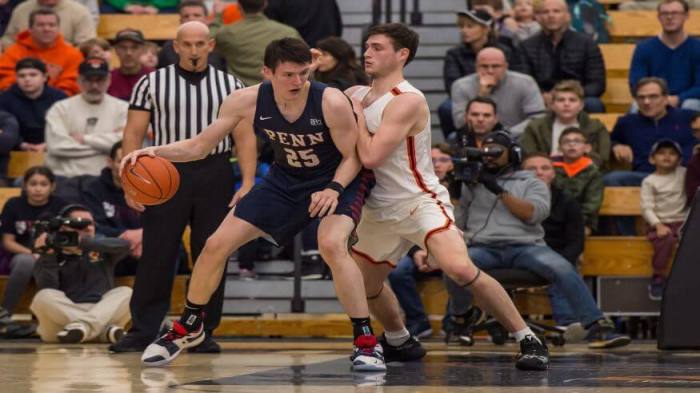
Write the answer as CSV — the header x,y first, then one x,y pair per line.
x,y
408,172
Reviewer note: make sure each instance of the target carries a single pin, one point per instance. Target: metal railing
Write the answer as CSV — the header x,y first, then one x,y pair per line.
x,y
416,17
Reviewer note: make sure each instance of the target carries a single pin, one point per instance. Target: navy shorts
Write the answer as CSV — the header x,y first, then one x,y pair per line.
x,y
279,204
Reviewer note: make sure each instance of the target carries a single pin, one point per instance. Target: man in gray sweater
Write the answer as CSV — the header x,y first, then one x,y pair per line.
x,y
501,213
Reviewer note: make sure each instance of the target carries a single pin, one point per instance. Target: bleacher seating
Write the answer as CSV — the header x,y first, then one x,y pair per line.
x,y
20,161
633,25
154,27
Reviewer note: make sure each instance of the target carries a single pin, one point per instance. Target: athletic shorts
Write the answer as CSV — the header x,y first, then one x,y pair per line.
x,y
279,204
385,239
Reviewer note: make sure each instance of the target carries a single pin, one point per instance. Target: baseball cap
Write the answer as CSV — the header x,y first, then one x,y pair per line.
x,y
499,138
94,66
129,35
661,143
479,16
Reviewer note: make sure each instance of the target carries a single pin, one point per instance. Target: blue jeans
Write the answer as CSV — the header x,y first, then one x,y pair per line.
x,y
540,260
593,105
623,226
562,313
447,124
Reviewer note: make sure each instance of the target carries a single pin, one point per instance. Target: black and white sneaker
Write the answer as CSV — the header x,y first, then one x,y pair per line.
x,y
165,349
533,355
411,350
367,355
114,333
73,333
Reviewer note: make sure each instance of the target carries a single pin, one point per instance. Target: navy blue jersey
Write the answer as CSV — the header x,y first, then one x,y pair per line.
x,y
304,148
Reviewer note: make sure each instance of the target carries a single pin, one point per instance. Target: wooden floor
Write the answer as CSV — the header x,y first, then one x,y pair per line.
x,y
304,366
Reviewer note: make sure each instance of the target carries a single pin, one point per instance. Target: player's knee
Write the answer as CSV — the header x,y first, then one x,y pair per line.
x,y
215,245
331,247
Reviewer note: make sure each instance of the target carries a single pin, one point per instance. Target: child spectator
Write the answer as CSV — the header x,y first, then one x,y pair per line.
x,y
579,176
18,217
96,47
523,23
149,57
663,208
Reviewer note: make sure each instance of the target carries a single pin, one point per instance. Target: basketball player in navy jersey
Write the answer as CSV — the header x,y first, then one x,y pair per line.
x,y
316,174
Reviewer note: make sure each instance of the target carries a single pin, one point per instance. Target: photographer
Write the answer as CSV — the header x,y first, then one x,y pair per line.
x,y
77,300
501,210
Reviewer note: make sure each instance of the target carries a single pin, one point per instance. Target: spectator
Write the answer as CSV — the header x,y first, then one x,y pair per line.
x,y
501,217
313,19
191,10
94,10
6,8
481,119
664,208
636,5
516,94
411,267
28,100
477,32
18,217
96,47
81,130
44,42
557,53
76,23
542,134
335,64
563,233
113,217
77,300
524,24
243,43
500,15
139,7
692,178
672,56
9,137
578,176
129,45
149,57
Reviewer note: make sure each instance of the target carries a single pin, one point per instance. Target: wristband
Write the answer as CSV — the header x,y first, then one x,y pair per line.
x,y
335,186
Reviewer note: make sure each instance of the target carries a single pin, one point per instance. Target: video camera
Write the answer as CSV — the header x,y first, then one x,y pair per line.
x,y
56,238
469,162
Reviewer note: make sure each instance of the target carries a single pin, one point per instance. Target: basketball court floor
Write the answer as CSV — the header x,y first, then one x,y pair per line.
x,y
303,366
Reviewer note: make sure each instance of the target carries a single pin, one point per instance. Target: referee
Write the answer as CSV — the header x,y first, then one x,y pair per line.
x,y
178,102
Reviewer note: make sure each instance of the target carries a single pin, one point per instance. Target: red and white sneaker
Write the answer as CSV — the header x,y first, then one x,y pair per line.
x,y
165,349
367,355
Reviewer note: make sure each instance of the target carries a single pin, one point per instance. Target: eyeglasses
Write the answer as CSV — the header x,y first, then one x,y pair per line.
x,y
442,160
671,14
573,142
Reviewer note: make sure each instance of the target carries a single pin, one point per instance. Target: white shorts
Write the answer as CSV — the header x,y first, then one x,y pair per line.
x,y
385,239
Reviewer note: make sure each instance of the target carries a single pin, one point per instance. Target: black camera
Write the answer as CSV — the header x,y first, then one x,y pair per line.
x,y
56,238
469,162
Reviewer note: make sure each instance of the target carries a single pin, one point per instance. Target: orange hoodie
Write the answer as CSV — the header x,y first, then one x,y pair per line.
x,y
62,61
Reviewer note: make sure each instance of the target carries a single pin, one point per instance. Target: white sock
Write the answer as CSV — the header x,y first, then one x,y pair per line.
x,y
397,338
521,334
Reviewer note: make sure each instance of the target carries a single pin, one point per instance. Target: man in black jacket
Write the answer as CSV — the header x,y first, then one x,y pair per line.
x,y
77,300
557,53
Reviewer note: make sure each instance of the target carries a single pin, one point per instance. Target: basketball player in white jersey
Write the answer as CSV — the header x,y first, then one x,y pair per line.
x,y
408,205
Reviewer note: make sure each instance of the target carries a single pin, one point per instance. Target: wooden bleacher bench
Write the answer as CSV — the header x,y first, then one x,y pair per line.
x,y
7,193
609,119
154,27
617,96
20,161
626,25
618,58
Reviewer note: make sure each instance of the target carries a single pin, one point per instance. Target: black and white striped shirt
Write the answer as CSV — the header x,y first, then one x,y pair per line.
x,y
182,103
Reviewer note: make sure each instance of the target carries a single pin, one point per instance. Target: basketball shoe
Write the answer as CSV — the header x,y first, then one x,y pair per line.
x,y
411,350
533,355
367,354
165,349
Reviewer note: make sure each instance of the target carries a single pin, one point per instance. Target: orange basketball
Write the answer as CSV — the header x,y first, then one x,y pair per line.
x,y
151,180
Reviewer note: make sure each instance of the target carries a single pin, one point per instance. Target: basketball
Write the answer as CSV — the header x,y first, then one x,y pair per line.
x,y
151,180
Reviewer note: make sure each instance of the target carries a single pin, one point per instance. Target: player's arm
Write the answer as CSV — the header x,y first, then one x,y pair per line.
x,y
400,118
247,154
337,111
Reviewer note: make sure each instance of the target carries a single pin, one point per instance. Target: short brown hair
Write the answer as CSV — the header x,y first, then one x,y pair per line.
x,y
651,79
292,50
684,3
569,86
193,3
401,37
43,11
572,130
444,148
86,45
252,6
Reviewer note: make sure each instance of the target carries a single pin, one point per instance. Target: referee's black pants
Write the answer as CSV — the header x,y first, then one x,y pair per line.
x,y
206,188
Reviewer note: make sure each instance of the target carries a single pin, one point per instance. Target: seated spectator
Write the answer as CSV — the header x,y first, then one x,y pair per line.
x,y
18,218
476,29
96,47
9,137
563,233
664,208
43,41
313,19
692,177
501,19
29,99
81,130
481,119
113,217
191,10
516,94
139,7
578,176
335,64
672,56
542,134
523,22
129,45
76,22
243,43
557,53
411,267
77,301
149,57
638,5
501,217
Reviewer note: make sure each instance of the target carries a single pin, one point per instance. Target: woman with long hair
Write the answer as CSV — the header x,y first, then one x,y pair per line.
x,y
335,64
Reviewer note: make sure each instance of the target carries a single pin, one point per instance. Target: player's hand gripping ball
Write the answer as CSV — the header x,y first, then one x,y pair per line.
x,y
150,180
